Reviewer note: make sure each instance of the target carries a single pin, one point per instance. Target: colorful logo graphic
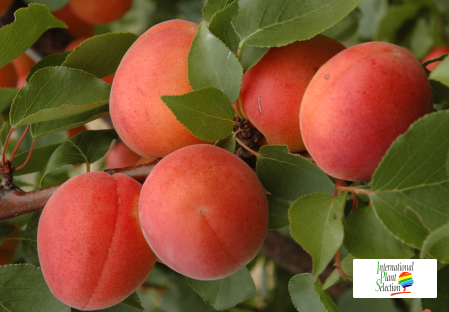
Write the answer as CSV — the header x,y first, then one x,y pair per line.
x,y
405,279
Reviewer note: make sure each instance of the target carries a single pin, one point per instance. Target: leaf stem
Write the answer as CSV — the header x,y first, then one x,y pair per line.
x,y
338,265
246,147
28,157
337,185
18,143
354,190
87,166
6,168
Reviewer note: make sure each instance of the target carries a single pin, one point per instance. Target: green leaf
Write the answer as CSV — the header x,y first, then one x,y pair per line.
x,y
437,244
85,147
227,143
100,55
226,292
55,93
372,13
212,7
5,230
268,23
30,23
211,64
367,238
7,95
29,242
222,28
249,56
440,92
278,214
308,295
348,303
440,73
206,113
441,302
345,28
287,176
410,187
393,19
4,132
43,128
48,61
23,289
316,224
38,159
51,4
334,278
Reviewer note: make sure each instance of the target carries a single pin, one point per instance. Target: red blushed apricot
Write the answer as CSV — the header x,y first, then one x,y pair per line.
x,y
22,65
77,27
358,103
4,6
176,23
120,156
100,12
91,248
155,66
8,248
204,212
433,54
272,90
8,76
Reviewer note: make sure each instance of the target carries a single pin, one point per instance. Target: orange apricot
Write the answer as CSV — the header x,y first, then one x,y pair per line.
x,y
22,65
434,53
8,76
4,6
120,156
100,12
77,27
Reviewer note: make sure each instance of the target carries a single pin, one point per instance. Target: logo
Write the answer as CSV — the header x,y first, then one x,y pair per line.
x,y
405,278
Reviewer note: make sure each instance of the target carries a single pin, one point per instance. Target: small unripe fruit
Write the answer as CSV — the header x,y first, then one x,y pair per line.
x,y
204,212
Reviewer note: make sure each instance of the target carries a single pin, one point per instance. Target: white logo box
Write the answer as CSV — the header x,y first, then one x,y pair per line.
x,y
379,278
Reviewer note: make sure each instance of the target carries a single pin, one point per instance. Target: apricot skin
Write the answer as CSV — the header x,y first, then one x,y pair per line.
x,y
91,248
155,66
4,6
434,53
358,103
272,90
8,248
120,156
100,12
204,212
77,27
22,65
8,76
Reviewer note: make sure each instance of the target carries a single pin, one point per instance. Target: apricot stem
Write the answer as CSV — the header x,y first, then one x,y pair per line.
x,y
246,147
87,166
28,158
5,167
18,143
338,265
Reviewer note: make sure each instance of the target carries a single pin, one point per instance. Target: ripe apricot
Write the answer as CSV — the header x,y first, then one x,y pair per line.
x,y
204,212
121,156
434,53
358,103
22,65
100,12
155,66
8,76
4,6
77,27
8,248
272,90
90,244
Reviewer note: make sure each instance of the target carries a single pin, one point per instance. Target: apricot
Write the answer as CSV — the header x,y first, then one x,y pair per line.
x,y
434,53
100,12
108,79
90,245
358,103
22,65
204,212
175,23
8,76
272,90
155,66
8,247
4,6
121,156
77,27
74,131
